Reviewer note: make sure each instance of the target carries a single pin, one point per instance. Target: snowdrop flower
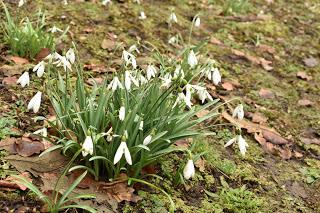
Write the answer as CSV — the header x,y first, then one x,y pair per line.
x,y
129,59
192,59
178,72
39,68
166,81
115,84
151,71
173,18
128,78
42,132
71,56
197,22
141,126
172,40
202,93
21,3
147,140
122,149
142,15
62,61
241,143
87,146
182,97
122,113
142,79
65,2
133,48
55,29
189,171
216,77
105,2
24,79
35,102
238,112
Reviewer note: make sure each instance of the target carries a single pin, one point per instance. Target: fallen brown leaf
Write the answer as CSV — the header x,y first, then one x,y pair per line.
x,y
35,165
200,164
202,113
311,62
256,60
9,182
95,68
27,147
257,117
44,52
305,102
12,80
304,76
215,41
274,137
9,71
18,60
266,48
266,93
227,86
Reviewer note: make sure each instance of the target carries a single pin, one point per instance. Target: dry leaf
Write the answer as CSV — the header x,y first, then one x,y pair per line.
x,y
257,117
44,52
26,147
200,164
108,44
266,48
202,113
256,60
12,70
227,86
311,62
305,102
304,76
95,68
18,60
215,41
10,80
9,182
36,165
266,93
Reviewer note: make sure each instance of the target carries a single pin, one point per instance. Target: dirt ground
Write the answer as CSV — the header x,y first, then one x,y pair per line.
x,y
268,54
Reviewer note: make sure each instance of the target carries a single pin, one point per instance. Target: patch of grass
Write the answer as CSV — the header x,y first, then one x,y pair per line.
x,y
312,174
232,7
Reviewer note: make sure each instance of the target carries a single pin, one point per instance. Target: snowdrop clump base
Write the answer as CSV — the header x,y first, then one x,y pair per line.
x,y
133,118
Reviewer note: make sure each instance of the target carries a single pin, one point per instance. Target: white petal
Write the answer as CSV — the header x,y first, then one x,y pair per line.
x,y
197,22
87,146
35,102
189,171
40,71
147,140
119,153
230,142
216,77
127,154
122,113
242,145
24,79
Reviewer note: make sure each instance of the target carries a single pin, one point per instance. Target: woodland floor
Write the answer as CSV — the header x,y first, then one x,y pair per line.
x,y
269,57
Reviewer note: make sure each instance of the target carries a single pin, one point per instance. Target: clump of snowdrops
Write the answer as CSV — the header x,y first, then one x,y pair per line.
x,y
27,38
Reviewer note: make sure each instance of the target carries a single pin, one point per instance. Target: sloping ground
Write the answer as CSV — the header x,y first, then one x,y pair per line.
x,y
269,56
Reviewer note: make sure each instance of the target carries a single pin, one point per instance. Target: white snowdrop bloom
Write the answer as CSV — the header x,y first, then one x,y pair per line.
x,y
115,84
62,61
189,170
55,29
173,18
241,143
43,132
128,78
122,150
65,2
178,72
21,3
197,22
129,58
189,90
105,2
141,126
182,97
39,68
142,15
122,113
166,81
142,79
87,146
151,71
215,77
202,93
24,79
133,48
35,102
147,140
192,59
71,56
172,40
238,112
